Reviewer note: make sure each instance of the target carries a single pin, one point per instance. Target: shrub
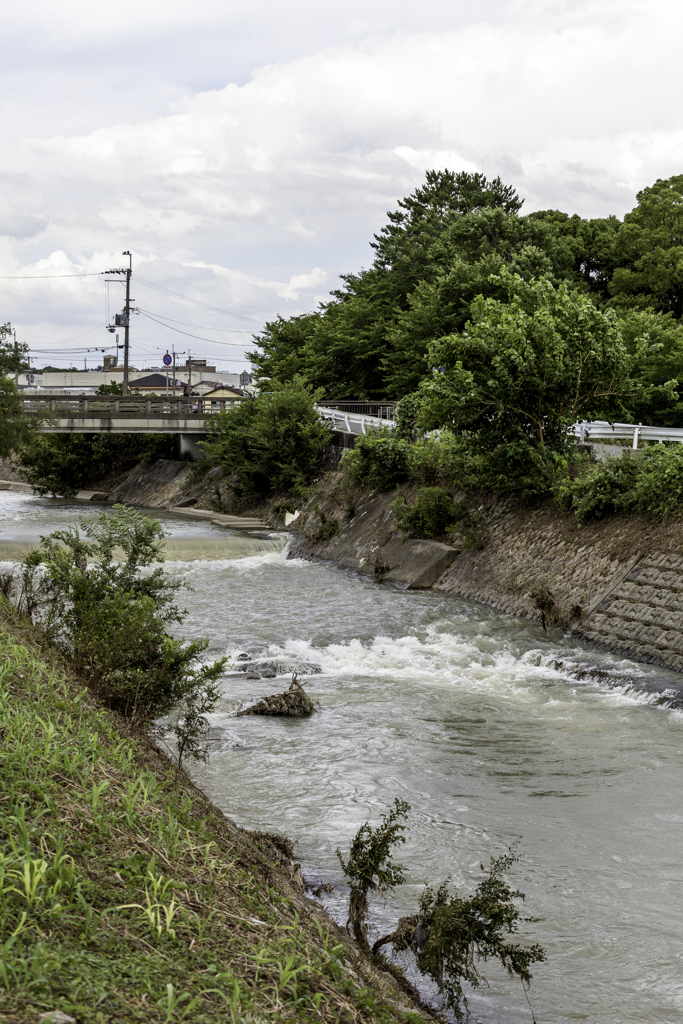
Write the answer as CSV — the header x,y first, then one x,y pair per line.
x,y
600,490
449,933
370,866
66,463
271,443
659,483
110,616
380,459
432,514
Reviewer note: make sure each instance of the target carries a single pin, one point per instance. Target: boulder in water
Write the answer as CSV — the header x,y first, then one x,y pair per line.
x,y
294,702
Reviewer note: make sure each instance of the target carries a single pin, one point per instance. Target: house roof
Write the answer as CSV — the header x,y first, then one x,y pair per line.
x,y
224,391
152,380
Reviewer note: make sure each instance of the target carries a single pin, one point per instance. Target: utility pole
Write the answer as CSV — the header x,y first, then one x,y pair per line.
x,y
16,361
126,322
173,349
189,373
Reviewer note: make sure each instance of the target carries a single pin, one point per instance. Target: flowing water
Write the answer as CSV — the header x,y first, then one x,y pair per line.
x,y
492,730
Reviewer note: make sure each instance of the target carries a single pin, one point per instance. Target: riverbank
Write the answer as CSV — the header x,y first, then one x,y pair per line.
x,y
128,896
617,582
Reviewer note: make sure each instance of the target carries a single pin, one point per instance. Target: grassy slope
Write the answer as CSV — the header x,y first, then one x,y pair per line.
x,y
127,897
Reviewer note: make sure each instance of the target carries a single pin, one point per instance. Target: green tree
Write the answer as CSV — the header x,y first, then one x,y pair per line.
x,y
343,347
521,374
650,251
273,442
655,342
66,463
115,387
15,427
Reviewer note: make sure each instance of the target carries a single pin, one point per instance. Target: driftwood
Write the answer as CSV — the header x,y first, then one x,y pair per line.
x,y
294,701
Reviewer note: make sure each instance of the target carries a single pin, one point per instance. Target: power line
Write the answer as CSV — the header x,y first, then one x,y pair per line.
x,y
153,266
187,334
196,302
226,330
48,277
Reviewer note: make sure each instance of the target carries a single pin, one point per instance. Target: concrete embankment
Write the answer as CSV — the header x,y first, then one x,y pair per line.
x,y
618,582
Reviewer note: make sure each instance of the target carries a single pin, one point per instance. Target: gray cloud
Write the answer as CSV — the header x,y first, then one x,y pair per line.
x,y
260,174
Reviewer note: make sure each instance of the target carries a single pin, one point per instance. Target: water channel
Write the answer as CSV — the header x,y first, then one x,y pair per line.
x,y
494,731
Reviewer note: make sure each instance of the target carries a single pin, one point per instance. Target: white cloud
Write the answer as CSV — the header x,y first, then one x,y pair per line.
x,y
252,185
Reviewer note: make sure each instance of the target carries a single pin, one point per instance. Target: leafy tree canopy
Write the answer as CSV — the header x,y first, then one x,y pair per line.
x,y
15,427
271,443
650,247
522,372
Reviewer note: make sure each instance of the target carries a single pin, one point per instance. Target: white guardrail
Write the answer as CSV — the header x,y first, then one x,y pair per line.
x,y
598,430
352,422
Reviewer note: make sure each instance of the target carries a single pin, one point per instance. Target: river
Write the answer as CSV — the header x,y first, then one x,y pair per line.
x,y
494,731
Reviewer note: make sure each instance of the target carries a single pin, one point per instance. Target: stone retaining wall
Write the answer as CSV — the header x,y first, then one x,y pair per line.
x,y
618,582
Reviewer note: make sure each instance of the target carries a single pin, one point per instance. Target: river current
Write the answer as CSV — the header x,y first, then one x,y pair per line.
x,y
495,732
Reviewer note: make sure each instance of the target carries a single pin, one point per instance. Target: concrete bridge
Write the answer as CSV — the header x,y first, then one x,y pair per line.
x,y
190,419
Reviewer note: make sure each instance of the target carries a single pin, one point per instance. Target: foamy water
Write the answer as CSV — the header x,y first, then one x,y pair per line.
x,y
491,729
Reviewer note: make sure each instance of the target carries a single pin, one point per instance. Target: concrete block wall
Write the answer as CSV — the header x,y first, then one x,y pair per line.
x,y
643,616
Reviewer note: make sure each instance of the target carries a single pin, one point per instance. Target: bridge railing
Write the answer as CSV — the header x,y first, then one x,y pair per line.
x,y
106,407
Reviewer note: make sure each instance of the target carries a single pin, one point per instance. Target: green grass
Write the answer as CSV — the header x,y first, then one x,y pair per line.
x,y
125,896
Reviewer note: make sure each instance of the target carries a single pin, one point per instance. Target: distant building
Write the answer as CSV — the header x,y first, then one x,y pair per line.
x,y
153,383
230,396
245,378
200,365
202,387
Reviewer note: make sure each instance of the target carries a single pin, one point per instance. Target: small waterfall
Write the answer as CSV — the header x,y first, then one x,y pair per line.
x,y
181,549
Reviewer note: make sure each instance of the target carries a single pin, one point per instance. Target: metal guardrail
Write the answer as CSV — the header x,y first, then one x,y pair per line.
x,y
353,423
349,418
600,430
382,410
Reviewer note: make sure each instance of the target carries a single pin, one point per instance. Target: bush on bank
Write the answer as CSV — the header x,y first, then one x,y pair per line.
x,y
97,597
650,483
66,463
124,895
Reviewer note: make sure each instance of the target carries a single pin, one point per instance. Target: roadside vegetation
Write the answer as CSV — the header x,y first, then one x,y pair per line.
x,y
272,444
66,463
496,332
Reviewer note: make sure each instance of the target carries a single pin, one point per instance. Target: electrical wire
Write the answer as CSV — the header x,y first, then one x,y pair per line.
x,y
153,266
195,302
225,330
211,341
47,277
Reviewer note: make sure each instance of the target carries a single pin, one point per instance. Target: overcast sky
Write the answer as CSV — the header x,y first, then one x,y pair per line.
x,y
246,151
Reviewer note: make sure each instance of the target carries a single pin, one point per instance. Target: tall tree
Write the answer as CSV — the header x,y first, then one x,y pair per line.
x,y
649,248
342,346
15,427
522,372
